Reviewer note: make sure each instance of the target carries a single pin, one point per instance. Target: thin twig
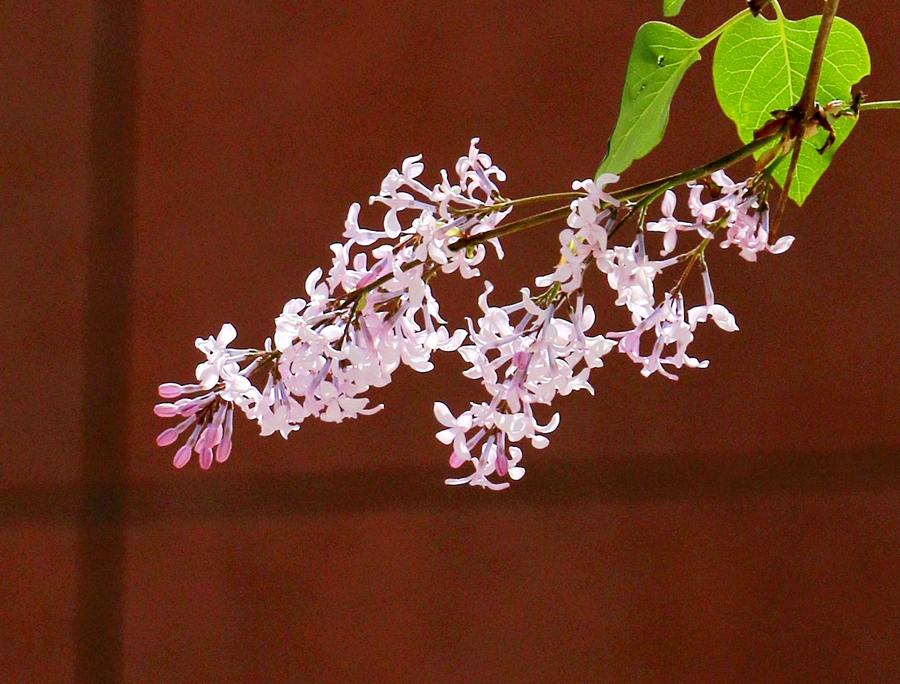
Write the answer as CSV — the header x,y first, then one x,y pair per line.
x,y
782,200
512,227
633,192
697,172
884,104
807,103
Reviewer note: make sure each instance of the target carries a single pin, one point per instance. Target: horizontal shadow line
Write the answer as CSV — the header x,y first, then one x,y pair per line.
x,y
550,484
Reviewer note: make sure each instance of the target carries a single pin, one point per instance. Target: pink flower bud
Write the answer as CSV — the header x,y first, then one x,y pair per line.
x,y
206,458
224,450
182,456
188,407
165,410
502,465
215,435
166,437
170,390
204,442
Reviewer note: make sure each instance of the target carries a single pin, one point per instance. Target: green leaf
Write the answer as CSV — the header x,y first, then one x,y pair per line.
x,y
661,55
672,7
760,65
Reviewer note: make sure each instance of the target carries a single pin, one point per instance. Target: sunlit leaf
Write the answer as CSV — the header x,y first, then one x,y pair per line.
x,y
672,7
760,65
659,59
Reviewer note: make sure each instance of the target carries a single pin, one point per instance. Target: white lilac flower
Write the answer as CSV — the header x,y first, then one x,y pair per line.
x,y
475,171
495,456
631,275
443,214
672,327
668,224
750,231
721,316
222,364
668,323
746,218
729,194
586,237
587,211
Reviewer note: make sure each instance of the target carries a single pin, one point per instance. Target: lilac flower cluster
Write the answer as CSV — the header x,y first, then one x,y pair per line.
x,y
530,362
374,310
739,211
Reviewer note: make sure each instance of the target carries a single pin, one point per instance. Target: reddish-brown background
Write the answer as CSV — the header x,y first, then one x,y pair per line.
x,y
165,167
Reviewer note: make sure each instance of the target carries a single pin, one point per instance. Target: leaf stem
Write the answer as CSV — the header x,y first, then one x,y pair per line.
x,y
777,7
696,172
571,194
782,200
883,104
512,227
696,253
715,33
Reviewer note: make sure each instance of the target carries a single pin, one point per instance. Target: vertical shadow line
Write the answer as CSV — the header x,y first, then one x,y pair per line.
x,y
103,492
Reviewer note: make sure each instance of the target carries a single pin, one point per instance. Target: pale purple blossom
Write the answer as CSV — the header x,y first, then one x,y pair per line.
x,y
520,364
631,274
372,312
443,213
208,414
668,224
721,316
673,328
585,240
748,229
667,323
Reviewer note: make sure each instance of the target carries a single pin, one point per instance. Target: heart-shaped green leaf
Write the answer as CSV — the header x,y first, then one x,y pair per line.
x,y
760,65
672,7
661,55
